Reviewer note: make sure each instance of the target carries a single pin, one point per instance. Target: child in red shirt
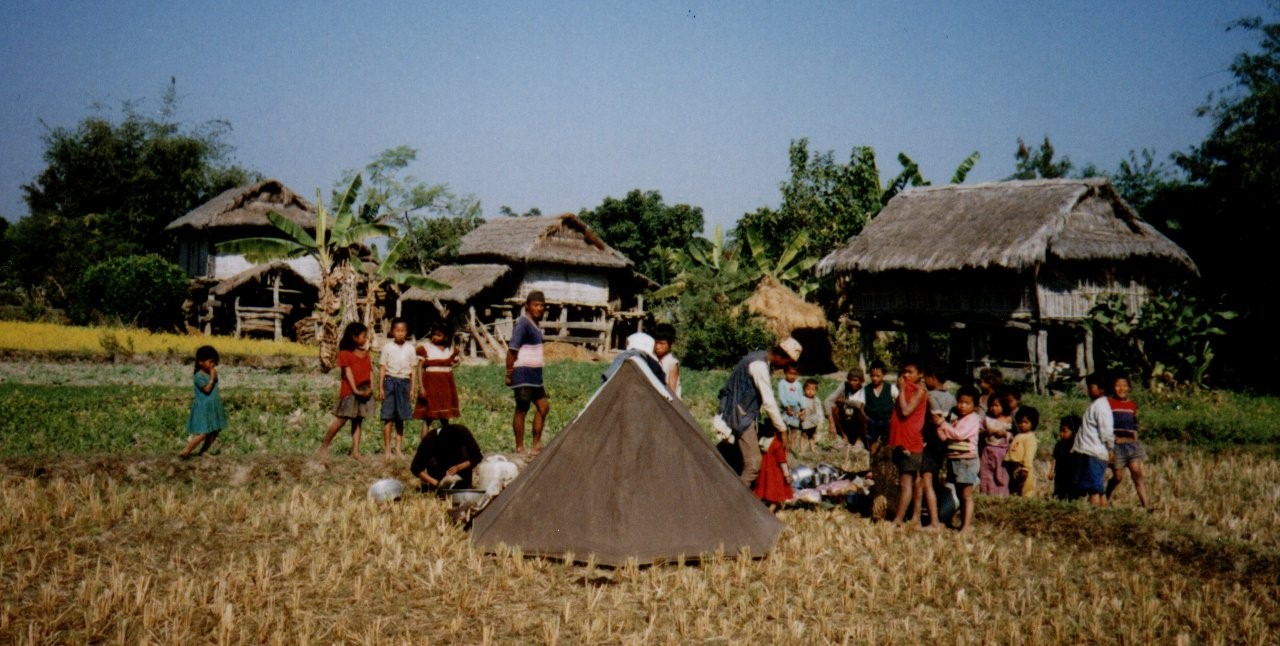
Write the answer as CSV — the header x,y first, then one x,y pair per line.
x,y
355,392
773,485
906,438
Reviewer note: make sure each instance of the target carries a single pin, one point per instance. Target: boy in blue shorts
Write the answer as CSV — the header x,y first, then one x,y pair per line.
x,y
1129,453
1094,443
524,371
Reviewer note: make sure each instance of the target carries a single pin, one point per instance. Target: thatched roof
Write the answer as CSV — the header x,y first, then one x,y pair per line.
x,y
257,272
464,281
1014,225
247,206
783,310
552,239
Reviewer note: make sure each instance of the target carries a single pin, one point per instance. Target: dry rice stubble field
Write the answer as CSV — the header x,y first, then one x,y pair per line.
x,y
286,549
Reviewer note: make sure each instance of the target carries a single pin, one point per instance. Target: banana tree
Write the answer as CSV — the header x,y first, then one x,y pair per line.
x,y
791,268
702,257
335,246
385,271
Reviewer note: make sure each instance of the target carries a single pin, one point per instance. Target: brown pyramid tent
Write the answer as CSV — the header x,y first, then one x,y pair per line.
x,y
631,477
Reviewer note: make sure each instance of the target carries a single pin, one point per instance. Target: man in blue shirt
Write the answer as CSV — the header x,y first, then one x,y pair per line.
x,y
524,371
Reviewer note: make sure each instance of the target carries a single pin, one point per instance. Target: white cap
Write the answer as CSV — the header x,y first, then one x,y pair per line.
x,y
640,341
791,347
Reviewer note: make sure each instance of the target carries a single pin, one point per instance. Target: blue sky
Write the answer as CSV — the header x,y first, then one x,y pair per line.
x,y
557,105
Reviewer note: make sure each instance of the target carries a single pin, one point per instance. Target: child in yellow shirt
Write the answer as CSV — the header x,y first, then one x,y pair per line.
x,y
1021,458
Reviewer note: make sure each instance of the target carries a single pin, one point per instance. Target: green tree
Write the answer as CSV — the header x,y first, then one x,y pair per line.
x,y
640,223
1169,342
508,212
1225,214
831,201
109,188
146,291
430,217
1033,163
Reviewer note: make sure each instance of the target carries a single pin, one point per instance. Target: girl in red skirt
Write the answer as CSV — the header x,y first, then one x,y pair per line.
x,y
773,485
438,399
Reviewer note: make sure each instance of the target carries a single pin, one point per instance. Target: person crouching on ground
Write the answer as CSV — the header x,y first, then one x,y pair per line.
x,y
450,450
880,399
749,390
845,417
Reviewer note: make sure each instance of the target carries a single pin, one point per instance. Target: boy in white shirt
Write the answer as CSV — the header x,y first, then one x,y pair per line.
x,y
1094,443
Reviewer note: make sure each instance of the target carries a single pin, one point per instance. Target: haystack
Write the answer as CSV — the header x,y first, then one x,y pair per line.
x,y
784,313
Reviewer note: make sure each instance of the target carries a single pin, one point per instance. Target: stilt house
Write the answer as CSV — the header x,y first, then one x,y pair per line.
x,y
229,294
1008,270
594,295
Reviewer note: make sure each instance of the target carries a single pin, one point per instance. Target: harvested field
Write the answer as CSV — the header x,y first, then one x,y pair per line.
x,y
288,549
106,537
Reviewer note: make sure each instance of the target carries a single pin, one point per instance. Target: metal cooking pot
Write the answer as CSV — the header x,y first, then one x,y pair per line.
x,y
802,477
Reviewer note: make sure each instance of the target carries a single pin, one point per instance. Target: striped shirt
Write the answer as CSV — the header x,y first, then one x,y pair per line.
x,y
1124,416
526,341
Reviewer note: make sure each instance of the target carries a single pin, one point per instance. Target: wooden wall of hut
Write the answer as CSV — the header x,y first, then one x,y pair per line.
x,y
1066,292
960,295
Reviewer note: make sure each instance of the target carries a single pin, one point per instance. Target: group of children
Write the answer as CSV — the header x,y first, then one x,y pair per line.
x,y
983,436
414,382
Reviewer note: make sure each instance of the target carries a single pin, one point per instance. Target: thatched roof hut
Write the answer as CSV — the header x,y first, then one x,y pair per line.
x,y
1016,225
552,239
229,293
785,313
1004,262
465,283
593,291
246,207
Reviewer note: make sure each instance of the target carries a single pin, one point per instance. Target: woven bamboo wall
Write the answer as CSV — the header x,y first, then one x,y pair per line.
x,y
566,286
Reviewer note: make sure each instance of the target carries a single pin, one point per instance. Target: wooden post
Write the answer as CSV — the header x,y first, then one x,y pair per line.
x,y
1089,362
237,308
866,345
1033,359
564,320
1082,364
275,302
209,312
1042,367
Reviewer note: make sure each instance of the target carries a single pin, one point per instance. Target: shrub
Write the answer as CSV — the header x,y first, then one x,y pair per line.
x,y
146,291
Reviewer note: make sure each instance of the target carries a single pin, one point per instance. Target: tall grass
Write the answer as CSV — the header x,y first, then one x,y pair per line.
x,y
51,338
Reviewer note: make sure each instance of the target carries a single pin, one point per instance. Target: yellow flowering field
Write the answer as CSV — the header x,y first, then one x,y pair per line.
x,y
54,338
